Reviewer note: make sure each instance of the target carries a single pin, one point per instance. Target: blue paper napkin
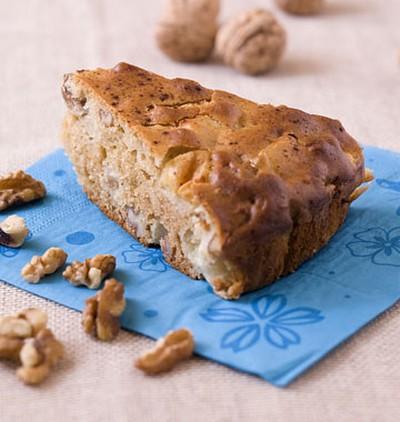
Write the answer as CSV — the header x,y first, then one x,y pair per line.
x,y
277,332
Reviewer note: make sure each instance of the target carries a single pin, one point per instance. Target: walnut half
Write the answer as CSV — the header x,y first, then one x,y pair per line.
x,y
19,188
13,231
40,266
10,348
91,272
12,333
14,329
102,312
174,347
74,98
38,355
36,318
25,339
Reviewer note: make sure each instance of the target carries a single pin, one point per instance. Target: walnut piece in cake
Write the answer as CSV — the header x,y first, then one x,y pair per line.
x,y
91,272
102,312
19,188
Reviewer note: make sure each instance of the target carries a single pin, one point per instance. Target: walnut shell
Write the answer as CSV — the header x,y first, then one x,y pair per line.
x,y
187,30
252,42
301,7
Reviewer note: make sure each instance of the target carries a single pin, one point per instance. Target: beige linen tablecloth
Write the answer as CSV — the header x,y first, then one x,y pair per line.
x,y
344,63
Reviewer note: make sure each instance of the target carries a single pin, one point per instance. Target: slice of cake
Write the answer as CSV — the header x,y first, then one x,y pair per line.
x,y
232,191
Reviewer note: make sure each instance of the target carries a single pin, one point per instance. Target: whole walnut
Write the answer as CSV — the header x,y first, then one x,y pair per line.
x,y
252,42
186,31
301,7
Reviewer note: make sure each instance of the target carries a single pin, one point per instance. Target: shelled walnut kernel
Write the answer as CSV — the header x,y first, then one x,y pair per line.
x,y
13,331
174,347
102,312
40,266
25,339
38,355
15,328
18,188
13,231
36,318
91,272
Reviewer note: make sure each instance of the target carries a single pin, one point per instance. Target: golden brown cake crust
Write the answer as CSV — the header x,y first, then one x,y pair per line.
x,y
261,172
